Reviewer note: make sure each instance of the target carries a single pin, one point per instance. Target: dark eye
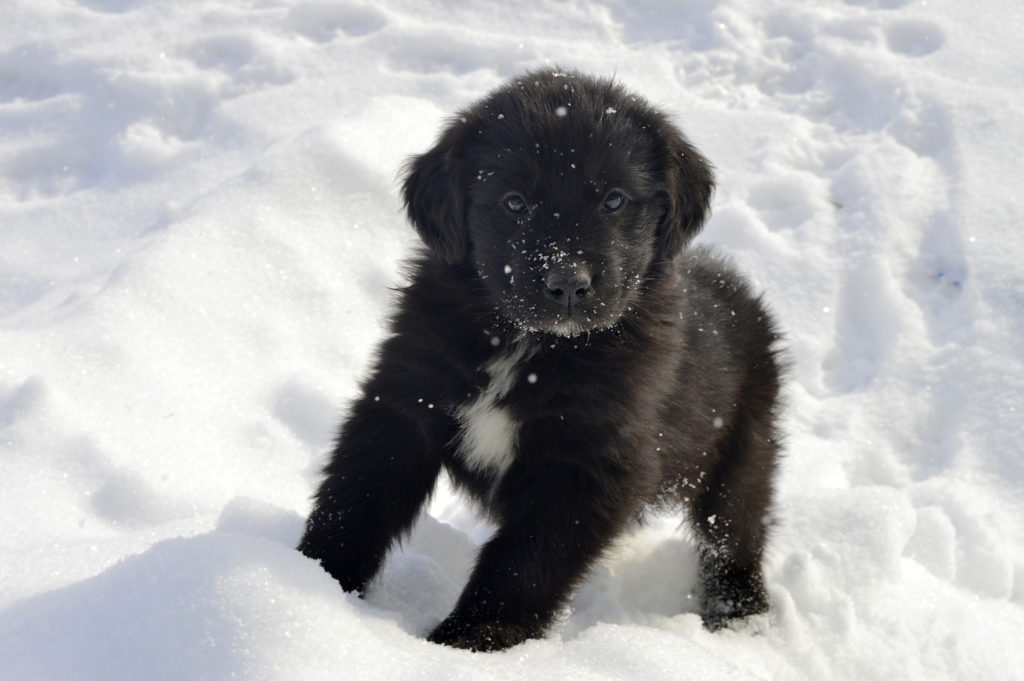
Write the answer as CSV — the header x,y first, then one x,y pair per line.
x,y
514,203
614,201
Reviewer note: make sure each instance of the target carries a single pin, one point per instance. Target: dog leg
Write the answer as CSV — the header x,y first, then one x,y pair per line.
x,y
558,520
731,517
382,471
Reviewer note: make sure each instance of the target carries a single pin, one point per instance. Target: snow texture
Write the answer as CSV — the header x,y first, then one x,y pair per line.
x,y
199,224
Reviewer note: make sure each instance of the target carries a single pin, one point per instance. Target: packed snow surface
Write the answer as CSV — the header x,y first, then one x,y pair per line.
x,y
199,226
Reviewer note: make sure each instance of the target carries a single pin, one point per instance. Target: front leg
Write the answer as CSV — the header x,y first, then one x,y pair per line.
x,y
382,471
731,515
558,517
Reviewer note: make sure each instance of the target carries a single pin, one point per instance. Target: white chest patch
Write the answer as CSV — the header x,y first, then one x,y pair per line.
x,y
487,440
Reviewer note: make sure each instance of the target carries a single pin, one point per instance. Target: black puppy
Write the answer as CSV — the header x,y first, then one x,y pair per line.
x,y
564,359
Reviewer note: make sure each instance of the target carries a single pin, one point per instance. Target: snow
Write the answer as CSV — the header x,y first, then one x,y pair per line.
x,y
199,223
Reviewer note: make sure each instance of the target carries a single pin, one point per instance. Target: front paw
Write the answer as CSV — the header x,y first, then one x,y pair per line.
x,y
721,608
481,636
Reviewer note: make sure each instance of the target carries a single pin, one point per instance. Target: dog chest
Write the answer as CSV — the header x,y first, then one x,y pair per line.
x,y
487,429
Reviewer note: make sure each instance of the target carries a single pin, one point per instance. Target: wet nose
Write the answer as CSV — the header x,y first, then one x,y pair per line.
x,y
567,287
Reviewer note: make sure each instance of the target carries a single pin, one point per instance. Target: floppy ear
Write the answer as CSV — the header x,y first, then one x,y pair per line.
x,y
690,183
435,200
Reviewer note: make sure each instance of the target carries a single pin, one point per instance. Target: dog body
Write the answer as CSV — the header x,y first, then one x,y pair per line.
x,y
565,359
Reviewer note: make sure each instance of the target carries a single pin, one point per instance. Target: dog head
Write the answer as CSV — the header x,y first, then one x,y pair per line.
x,y
561,191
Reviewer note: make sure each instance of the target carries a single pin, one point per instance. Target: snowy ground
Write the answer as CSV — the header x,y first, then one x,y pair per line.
x,y
198,226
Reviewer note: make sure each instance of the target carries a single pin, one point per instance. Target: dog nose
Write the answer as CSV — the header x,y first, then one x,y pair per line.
x,y
567,287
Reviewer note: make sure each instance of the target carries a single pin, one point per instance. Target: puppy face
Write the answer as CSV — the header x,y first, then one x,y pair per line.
x,y
560,191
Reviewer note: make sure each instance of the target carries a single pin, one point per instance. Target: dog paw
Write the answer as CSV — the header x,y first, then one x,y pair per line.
x,y
481,636
722,611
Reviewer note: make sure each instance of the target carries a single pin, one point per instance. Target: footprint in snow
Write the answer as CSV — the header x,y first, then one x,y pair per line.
x,y
782,203
227,53
29,73
111,6
321,21
914,38
878,4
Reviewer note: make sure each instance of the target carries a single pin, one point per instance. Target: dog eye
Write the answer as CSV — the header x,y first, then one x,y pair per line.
x,y
613,202
514,203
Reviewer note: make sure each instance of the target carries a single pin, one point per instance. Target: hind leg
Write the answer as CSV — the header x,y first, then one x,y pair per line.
x,y
731,516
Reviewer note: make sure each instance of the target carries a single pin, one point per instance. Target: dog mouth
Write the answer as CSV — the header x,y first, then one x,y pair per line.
x,y
561,306
565,328
571,328
561,296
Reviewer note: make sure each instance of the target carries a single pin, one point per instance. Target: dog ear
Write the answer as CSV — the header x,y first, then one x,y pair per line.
x,y
435,200
690,183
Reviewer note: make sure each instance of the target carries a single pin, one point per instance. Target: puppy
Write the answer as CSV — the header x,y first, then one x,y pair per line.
x,y
567,361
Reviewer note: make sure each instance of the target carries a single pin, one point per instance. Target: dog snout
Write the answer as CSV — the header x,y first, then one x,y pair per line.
x,y
567,287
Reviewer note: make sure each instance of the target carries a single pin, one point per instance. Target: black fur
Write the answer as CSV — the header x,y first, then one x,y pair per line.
x,y
628,370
